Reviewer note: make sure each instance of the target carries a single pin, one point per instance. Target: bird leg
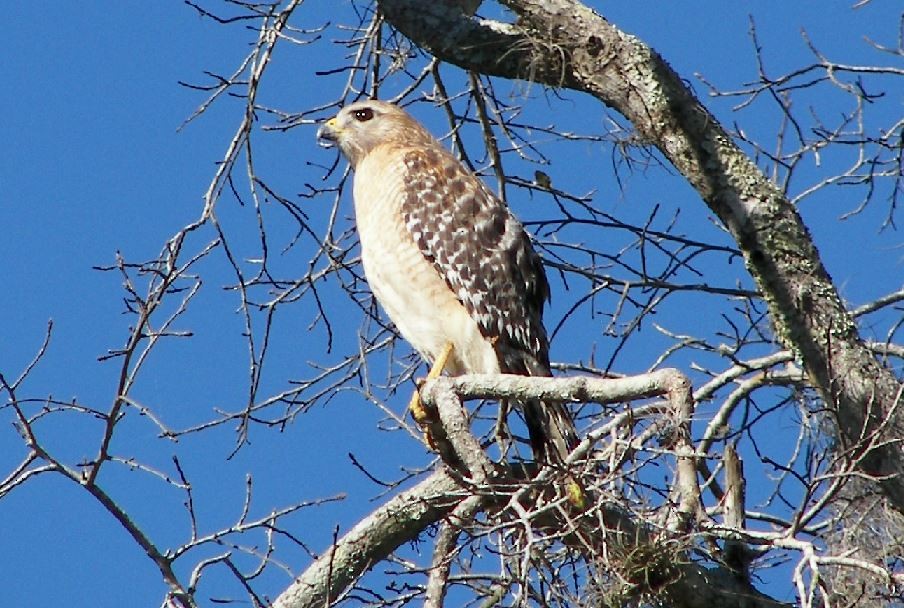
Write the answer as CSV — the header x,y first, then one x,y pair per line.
x,y
420,415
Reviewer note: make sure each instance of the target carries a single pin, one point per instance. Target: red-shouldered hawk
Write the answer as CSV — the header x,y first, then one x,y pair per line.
x,y
446,258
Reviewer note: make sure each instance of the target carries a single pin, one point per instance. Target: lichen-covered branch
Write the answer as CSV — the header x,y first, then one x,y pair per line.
x,y
399,521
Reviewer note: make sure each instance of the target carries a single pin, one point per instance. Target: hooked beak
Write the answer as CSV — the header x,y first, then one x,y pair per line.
x,y
328,133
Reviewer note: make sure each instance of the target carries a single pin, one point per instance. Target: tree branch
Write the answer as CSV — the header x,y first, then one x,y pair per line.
x,y
603,529
399,521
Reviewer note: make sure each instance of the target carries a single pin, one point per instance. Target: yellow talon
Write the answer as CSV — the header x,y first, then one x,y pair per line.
x,y
417,409
576,495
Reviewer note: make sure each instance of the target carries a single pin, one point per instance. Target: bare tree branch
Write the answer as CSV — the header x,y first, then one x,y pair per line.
x,y
400,520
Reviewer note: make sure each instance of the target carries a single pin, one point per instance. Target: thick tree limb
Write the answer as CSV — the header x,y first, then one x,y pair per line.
x,y
562,43
577,389
399,521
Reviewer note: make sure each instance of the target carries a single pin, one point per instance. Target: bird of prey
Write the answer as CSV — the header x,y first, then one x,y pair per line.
x,y
454,270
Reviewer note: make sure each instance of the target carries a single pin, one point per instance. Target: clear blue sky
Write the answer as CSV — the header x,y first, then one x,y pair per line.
x,y
91,163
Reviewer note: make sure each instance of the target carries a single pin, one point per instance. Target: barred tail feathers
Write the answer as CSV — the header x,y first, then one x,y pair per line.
x,y
551,430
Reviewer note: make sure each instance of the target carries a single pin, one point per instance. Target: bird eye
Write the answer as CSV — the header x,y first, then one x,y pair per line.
x,y
364,114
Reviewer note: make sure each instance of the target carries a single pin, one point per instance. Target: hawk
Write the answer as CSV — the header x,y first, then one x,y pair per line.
x,y
447,260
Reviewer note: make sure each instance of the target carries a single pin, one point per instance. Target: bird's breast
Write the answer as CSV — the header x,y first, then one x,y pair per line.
x,y
410,289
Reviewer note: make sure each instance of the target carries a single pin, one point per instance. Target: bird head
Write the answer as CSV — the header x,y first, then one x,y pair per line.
x,y
364,125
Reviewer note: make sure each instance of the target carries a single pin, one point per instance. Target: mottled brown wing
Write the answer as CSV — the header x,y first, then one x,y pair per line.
x,y
483,253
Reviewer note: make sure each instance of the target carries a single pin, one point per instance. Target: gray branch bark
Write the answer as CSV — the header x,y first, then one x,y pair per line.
x,y
562,43
398,521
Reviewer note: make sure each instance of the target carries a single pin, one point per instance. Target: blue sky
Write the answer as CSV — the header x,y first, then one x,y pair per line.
x,y
93,163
